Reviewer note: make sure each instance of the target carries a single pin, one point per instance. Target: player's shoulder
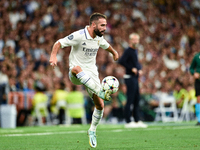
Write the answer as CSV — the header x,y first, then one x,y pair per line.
x,y
79,34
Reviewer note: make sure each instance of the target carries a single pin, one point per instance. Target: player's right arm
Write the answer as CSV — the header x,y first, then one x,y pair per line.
x,y
53,59
71,40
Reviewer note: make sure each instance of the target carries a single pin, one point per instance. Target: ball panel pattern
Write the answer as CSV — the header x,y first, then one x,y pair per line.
x,y
110,83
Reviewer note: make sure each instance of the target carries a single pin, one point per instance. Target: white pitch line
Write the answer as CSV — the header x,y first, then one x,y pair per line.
x,y
46,133
83,131
11,131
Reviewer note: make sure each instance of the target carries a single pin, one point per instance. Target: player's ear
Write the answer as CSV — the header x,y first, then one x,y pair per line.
x,y
94,24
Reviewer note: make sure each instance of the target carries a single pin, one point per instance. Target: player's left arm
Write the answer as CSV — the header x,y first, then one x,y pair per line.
x,y
114,52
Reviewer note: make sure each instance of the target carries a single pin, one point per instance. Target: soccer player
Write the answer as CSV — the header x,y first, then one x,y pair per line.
x,y
82,63
195,71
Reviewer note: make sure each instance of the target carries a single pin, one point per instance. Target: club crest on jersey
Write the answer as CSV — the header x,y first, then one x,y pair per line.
x,y
70,37
98,43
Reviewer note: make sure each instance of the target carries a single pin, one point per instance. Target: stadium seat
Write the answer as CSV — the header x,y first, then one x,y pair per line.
x,y
184,112
191,109
187,111
167,110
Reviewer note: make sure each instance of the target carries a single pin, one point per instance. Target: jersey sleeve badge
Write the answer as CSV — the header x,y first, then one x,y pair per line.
x,y
70,37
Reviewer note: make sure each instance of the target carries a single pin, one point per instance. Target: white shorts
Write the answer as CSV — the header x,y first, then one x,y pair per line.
x,y
93,75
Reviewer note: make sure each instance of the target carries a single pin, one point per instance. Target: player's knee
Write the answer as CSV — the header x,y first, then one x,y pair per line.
x,y
75,70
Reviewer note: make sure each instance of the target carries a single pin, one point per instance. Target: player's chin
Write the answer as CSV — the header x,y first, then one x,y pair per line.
x,y
102,33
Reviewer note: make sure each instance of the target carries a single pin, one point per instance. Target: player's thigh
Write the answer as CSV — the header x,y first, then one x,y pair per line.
x,y
93,75
95,78
99,103
73,79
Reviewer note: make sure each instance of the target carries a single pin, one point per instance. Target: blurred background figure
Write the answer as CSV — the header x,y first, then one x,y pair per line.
x,y
133,68
75,105
180,94
195,71
4,84
39,105
59,102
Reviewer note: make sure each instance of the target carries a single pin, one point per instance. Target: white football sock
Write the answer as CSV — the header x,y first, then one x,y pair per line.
x,y
96,117
87,81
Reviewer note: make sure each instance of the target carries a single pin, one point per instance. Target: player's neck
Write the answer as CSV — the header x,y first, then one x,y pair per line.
x,y
91,32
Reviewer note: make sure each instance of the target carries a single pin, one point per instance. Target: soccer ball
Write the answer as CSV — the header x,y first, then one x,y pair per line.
x,y
110,83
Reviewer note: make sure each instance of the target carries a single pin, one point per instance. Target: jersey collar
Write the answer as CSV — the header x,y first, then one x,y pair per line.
x,y
87,35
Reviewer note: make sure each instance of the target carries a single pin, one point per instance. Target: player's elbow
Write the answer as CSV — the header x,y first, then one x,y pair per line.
x,y
57,44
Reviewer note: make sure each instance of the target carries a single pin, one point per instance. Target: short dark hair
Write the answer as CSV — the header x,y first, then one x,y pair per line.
x,y
96,16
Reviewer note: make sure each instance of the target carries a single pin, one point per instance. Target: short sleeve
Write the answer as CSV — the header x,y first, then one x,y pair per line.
x,y
70,40
104,44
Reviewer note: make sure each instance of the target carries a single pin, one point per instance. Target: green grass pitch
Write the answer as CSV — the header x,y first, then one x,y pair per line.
x,y
158,136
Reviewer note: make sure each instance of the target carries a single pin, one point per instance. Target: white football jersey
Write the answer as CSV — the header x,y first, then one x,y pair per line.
x,y
83,48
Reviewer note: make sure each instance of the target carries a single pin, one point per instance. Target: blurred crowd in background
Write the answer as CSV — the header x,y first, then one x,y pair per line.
x,y
169,31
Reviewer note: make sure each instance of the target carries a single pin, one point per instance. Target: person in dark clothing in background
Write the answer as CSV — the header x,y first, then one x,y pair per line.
x,y
133,68
195,71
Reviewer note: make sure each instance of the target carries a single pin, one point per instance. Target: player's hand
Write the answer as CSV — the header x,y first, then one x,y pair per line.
x,y
53,61
115,56
196,75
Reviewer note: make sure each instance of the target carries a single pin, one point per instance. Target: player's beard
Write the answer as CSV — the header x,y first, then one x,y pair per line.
x,y
97,32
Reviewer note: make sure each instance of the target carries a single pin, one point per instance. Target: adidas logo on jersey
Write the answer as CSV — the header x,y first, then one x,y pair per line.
x,y
84,43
